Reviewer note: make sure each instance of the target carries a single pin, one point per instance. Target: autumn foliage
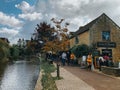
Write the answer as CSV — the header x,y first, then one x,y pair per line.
x,y
61,42
50,38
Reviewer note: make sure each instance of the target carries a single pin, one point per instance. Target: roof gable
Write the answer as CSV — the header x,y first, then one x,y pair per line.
x,y
90,24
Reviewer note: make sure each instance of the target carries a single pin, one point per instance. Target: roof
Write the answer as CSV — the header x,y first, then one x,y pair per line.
x,y
4,39
90,24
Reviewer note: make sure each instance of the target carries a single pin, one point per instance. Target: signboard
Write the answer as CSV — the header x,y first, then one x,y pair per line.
x,y
106,44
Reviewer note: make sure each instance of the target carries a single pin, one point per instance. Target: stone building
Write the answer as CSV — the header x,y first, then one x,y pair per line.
x,y
103,33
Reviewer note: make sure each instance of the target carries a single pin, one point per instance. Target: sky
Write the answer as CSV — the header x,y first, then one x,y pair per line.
x,y
18,18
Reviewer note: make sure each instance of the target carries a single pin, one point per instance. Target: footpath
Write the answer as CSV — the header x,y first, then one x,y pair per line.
x,y
70,81
75,78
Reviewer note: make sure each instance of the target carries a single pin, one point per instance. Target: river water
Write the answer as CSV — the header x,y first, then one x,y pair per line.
x,y
20,75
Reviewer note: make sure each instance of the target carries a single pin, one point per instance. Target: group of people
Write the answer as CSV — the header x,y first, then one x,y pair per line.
x,y
103,60
67,57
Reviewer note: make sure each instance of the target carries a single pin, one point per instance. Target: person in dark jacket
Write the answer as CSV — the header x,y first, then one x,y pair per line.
x,y
68,57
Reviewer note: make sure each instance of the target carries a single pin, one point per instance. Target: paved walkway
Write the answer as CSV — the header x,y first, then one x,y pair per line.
x,y
70,81
96,79
75,78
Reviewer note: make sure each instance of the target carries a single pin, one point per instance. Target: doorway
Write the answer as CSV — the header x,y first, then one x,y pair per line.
x,y
107,52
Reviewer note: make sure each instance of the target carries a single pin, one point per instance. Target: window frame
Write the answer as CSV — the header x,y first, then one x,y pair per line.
x,y
106,36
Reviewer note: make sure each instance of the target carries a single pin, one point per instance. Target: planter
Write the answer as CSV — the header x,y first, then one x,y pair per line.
x,y
111,71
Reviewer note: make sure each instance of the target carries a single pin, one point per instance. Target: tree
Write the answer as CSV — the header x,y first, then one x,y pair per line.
x,y
30,47
14,52
60,42
43,34
4,51
80,50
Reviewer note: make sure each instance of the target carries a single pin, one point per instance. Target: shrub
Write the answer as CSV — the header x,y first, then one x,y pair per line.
x,y
14,52
80,50
47,80
4,50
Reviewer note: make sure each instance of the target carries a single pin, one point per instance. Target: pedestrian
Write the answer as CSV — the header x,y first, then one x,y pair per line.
x,y
106,58
89,61
101,62
72,58
83,62
63,57
68,57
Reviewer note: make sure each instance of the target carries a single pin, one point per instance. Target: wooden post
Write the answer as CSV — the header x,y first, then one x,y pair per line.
x,y
58,71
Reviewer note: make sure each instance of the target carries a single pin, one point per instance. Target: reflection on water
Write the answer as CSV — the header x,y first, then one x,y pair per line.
x,y
21,75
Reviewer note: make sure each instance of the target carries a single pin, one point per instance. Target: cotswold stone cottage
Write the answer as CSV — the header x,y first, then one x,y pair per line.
x,y
103,33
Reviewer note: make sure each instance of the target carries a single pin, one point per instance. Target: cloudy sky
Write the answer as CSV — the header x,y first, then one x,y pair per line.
x,y
18,18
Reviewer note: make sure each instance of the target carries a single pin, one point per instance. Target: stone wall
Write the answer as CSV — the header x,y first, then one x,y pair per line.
x,y
111,71
84,38
72,42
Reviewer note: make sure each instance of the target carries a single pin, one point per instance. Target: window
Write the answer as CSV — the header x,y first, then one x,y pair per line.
x,y
106,35
76,40
107,52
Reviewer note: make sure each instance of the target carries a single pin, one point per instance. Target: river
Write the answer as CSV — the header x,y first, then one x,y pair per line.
x,y
20,75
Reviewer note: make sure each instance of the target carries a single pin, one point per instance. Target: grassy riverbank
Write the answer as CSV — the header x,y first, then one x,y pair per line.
x,y
48,82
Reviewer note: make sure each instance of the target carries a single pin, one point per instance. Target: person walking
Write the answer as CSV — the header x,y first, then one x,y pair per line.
x,y
63,57
68,57
72,58
89,61
106,58
101,62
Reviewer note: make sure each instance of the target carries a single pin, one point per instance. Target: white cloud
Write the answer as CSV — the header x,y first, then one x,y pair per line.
x,y
80,12
25,7
76,12
31,16
28,12
11,34
10,21
6,32
77,22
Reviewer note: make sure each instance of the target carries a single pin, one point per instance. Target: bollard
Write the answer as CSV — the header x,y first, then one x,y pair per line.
x,y
58,71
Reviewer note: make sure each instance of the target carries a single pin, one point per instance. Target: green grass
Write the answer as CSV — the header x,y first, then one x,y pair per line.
x,y
48,82
48,68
